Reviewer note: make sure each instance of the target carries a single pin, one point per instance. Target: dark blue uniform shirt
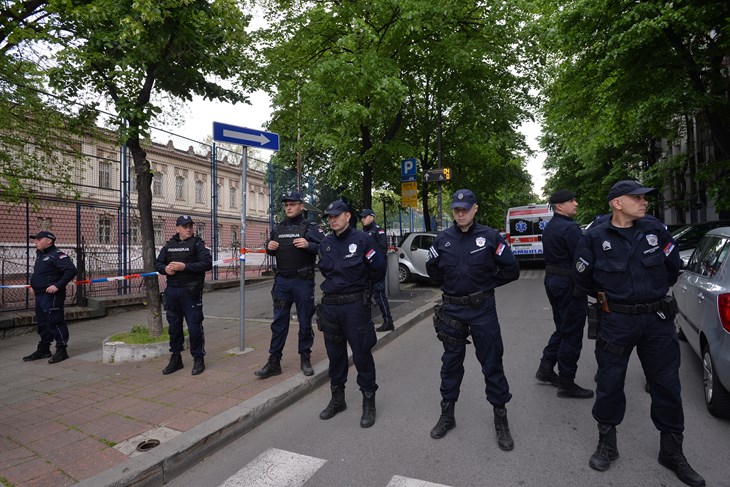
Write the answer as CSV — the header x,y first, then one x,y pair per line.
x,y
52,266
631,265
350,262
379,235
559,240
472,261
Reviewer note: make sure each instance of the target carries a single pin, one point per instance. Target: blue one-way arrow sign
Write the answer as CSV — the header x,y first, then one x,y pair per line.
x,y
244,136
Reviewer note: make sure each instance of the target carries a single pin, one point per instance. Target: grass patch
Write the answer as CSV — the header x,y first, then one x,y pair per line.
x,y
140,335
6,482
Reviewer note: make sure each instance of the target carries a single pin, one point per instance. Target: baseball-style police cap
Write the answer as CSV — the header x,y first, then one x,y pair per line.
x,y
367,212
463,198
43,234
183,220
561,196
627,186
337,207
292,196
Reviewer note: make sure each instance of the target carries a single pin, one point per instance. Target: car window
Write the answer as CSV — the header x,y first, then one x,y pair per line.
x,y
422,242
694,262
713,256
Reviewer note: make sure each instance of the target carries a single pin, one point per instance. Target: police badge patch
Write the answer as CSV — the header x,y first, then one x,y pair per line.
x,y
652,240
481,241
352,248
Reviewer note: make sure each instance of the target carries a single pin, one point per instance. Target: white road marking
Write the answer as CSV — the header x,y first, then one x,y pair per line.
x,y
276,468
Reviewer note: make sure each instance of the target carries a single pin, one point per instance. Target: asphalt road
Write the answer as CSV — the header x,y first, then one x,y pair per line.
x,y
554,437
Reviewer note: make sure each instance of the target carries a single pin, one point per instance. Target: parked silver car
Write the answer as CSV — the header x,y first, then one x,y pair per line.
x,y
703,297
413,254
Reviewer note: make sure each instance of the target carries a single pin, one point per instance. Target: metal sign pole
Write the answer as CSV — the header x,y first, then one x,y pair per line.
x,y
242,254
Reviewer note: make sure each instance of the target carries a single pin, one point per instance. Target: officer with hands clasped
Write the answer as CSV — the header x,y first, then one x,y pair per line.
x,y
569,304
367,217
469,260
294,242
629,262
184,259
52,272
350,262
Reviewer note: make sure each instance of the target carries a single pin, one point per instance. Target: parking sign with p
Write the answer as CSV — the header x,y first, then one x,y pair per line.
x,y
408,169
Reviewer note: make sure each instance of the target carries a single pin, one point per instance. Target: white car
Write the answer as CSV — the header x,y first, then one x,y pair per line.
x,y
703,298
413,254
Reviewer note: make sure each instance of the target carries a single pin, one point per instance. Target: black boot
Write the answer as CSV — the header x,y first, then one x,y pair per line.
x,y
174,365
386,326
501,425
337,403
272,367
198,366
59,356
568,388
43,351
446,420
545,373
368,409
607,451
306,364
672,457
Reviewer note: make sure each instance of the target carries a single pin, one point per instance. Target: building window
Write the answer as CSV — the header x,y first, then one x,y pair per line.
x,y
218,194
200,230
104,230
179,188
199,191
159,229
232,196
45,223
105,174
157,184
235,236
134,232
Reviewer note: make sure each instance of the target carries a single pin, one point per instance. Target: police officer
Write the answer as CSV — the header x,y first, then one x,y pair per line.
x,y
559,240
629,262
367,217
52,272
469,260
295,243
185,260
350,262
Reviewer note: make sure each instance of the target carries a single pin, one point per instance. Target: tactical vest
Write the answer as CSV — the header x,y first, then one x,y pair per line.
x,y
288,257
185,252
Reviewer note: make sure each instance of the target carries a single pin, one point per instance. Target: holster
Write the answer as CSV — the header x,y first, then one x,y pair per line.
x,y
449,330
594,320
305,273
330,330
195,289
669,307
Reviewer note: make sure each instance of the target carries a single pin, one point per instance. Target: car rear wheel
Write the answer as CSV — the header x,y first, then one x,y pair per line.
x,y
403,273
717,397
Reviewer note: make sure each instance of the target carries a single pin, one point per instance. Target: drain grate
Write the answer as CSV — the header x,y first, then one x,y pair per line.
x,y
147,445
146,441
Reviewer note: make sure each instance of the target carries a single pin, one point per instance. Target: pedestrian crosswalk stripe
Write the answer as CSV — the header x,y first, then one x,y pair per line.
x,y
398,481
276,468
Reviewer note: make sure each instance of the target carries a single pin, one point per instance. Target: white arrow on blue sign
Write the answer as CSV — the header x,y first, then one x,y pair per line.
x,y
244,136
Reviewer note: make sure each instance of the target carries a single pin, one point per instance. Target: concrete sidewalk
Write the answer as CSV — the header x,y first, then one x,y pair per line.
x,y
80,421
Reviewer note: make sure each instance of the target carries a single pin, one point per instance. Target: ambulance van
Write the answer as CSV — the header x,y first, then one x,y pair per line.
x,y
524,226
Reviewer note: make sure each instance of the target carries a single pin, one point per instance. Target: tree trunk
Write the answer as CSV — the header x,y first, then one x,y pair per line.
x,y
143,179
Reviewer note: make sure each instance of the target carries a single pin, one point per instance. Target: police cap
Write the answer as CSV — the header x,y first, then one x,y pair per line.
x,y
183,220
337,207
366,212
43,234
463,198
292,196
561,196
627,186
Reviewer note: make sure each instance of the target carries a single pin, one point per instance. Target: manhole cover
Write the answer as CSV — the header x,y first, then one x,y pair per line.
x,y
148,445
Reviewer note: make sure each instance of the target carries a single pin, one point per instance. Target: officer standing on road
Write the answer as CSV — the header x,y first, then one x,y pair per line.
x,y
629,262
185,260
351,263
559,240
52,272
294,242
367,217
469,260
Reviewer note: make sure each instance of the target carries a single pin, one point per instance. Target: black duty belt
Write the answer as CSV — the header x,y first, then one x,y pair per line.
x,y
468,299
554,270
341,298
636,309
303,273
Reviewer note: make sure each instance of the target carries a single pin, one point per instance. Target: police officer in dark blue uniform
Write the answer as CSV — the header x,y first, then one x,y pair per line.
x,y
350,262
470,260
367,217
570,304
629,262
294,242
184,259
52,272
